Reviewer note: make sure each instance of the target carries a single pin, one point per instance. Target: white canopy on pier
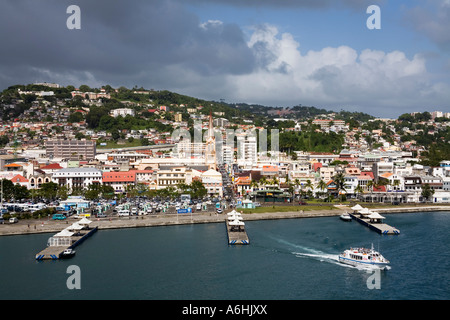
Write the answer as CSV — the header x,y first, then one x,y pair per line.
x,y
235,217
236,223
233,213
75,226
357,207
64,233
375,215
84,221
364,211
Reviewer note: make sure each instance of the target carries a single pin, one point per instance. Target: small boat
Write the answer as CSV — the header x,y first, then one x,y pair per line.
x,y
68,253
363,257
345,217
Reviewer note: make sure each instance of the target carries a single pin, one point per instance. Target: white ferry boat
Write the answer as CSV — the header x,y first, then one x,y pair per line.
x,y
363,257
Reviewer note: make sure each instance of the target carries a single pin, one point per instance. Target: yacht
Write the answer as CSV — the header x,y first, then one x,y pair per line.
x,y
345,217
363,257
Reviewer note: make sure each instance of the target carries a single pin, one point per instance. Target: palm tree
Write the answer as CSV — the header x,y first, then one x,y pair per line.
x,y
309,185
263,181
370,185
359,189
322,185
339,181
275,182
297,184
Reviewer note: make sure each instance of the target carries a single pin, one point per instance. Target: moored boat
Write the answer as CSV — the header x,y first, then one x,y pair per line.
x,y
68,253
345,217
363,257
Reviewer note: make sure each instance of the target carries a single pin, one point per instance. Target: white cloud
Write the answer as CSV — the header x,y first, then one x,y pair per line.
x,y
337,76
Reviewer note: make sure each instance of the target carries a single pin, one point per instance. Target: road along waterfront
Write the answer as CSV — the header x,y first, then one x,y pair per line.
x,y
45,225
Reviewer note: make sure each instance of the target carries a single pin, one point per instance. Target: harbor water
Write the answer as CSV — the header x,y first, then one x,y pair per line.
x,y
289,259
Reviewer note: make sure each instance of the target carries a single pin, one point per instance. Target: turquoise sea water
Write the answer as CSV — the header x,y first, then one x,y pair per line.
x,y
292,259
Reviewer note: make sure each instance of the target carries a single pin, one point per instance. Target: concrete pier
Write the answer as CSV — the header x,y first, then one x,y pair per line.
x,y
55,252
379,227
236,231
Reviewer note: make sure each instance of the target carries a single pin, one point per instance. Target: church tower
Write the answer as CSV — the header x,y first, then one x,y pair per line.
x,y
210,147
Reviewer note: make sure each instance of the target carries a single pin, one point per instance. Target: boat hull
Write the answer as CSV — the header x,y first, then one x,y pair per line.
x,y
357,263
67,255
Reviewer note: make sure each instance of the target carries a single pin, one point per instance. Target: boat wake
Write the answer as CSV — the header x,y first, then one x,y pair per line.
x,y
320,256
310,253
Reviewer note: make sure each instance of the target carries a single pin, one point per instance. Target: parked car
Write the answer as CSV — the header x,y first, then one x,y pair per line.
x,y
58,216
124,213
13,220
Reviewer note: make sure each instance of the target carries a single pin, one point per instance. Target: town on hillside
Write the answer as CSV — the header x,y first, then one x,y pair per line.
x,y
116,143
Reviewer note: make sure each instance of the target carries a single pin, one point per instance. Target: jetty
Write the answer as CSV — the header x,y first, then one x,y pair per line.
x,y
68,238
236,231
373,220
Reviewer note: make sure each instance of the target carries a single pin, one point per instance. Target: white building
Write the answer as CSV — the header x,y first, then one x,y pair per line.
x,y
351,183
247,149
74,178
441,197
122,112
212,180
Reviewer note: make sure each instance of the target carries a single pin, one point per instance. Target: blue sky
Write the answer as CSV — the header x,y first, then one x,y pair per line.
x,y
270,52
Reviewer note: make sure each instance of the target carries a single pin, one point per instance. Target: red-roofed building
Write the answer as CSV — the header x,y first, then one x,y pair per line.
x,y
21,180
52,167
119,180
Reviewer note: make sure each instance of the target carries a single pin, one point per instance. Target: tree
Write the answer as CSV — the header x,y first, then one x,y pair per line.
x,y
198,190
62,192
322,185
49,190
359,190
427,192
20,192
339,181
107,192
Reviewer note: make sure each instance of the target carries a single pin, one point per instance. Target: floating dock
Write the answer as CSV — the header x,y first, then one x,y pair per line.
x,y
376,225
236,231
54,252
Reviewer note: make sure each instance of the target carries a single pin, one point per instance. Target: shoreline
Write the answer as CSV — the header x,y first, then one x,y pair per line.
x,y
35,226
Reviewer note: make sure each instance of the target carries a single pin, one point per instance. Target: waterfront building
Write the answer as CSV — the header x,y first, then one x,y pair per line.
x,y
446,184
171,176
77,178
119,180
212,181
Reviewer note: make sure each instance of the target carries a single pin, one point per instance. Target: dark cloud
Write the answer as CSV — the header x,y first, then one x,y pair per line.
x,y
433,21
117,40
313,4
